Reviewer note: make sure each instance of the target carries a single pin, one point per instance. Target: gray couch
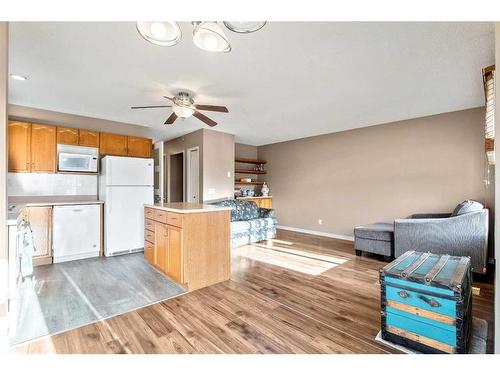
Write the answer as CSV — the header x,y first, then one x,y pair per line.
x,y
463,232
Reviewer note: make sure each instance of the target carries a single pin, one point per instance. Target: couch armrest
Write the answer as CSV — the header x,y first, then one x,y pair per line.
x,y
430,216
266,212
463,235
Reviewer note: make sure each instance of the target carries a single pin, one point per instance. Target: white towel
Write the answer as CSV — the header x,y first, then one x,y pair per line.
x,y
26,248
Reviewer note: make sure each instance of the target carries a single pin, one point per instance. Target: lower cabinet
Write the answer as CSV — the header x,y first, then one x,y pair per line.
x,y
192,249
40,219
163,249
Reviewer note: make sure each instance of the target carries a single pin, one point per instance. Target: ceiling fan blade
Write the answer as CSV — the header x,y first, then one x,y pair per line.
x,y
151,106
171,99
205,119
215,108
171,119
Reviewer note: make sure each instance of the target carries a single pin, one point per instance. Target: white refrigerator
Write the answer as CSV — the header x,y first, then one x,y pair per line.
x,y
125,185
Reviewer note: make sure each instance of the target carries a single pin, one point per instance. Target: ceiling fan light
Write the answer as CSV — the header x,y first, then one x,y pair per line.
x,y
244,27
164,33
182,112
209,36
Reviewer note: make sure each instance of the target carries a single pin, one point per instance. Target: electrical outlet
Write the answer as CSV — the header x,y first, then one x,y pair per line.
x,y
320,221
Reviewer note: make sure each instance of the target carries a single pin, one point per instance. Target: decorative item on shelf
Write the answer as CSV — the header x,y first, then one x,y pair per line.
x,y
250,193
264,190
245,180
238,193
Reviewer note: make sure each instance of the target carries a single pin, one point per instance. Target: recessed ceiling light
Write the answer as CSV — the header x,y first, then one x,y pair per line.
x,y
18,77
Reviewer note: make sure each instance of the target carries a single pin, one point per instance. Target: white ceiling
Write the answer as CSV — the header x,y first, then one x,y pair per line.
x,y
288,80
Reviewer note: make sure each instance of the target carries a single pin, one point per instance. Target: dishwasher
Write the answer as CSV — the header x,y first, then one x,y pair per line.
x,y
76,232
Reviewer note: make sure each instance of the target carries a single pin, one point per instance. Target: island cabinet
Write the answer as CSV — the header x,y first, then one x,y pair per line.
x,y
191,245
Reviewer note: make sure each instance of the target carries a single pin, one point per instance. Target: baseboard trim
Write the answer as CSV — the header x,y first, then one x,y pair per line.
x,y
317,233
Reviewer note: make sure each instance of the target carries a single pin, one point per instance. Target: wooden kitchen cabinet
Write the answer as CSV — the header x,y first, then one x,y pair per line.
x,y
191,248
139,147
67,136
174,269
40,219
113,144
43,148
88,138
161,247
19,134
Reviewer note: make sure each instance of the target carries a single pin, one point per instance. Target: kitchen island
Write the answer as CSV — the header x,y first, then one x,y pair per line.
x,y
189,242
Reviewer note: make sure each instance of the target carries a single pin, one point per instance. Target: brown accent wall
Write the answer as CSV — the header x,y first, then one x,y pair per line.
x,y
378,173
44,116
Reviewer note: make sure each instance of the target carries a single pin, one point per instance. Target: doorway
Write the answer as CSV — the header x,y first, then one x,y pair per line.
x,y
176,177
193,175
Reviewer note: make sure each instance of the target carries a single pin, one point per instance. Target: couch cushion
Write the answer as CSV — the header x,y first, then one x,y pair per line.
x,y
240,226
241,210
466,207
377,231
257,224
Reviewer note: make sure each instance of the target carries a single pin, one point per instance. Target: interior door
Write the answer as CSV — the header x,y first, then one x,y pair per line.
x,y
193,175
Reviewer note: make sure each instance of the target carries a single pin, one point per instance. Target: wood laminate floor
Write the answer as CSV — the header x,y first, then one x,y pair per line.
x,y
327,302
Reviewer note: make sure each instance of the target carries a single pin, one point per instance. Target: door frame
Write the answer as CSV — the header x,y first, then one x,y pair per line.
x,y
169,195
188,172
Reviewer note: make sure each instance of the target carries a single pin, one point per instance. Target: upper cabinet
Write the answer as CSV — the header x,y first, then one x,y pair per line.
x,y
88,138
33,147
43,148
139,147
113,144
19,146
67,136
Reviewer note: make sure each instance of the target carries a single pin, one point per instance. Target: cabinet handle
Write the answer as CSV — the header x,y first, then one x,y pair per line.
x,y
403,294
430,301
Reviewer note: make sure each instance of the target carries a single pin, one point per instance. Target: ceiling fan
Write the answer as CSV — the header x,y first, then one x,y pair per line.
x,y
184,107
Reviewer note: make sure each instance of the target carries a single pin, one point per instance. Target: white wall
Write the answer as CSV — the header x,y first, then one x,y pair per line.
x,y
43,184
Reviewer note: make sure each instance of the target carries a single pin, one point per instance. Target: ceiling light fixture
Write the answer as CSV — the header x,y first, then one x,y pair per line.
x,y
244,27
182,111
18,77
209,36
165,33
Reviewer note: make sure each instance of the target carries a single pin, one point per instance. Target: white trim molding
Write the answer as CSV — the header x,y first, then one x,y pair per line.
x,y
317,233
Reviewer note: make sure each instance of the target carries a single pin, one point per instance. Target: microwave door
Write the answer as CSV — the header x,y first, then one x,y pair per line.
x,y
76,163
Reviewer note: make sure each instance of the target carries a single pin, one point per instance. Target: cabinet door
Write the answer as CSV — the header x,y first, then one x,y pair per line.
x,y
149,252
175,254
88,138
161,247
19,146
113,144
139,147
67,136
267,203
43,148
40,219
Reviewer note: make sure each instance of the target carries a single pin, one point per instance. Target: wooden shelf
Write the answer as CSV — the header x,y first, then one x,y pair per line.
x,y
249,171
248,183
250,161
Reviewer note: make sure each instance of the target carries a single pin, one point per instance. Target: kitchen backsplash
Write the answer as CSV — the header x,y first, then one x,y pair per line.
x,y
32,184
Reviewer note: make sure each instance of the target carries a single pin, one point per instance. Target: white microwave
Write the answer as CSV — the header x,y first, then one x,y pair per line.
x,y
77,159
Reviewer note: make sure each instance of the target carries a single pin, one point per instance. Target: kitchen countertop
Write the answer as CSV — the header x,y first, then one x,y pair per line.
x,y
17,203
185,208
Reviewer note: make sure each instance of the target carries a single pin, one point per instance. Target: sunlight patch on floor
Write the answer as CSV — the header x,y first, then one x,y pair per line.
x,y
298,263
303,253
